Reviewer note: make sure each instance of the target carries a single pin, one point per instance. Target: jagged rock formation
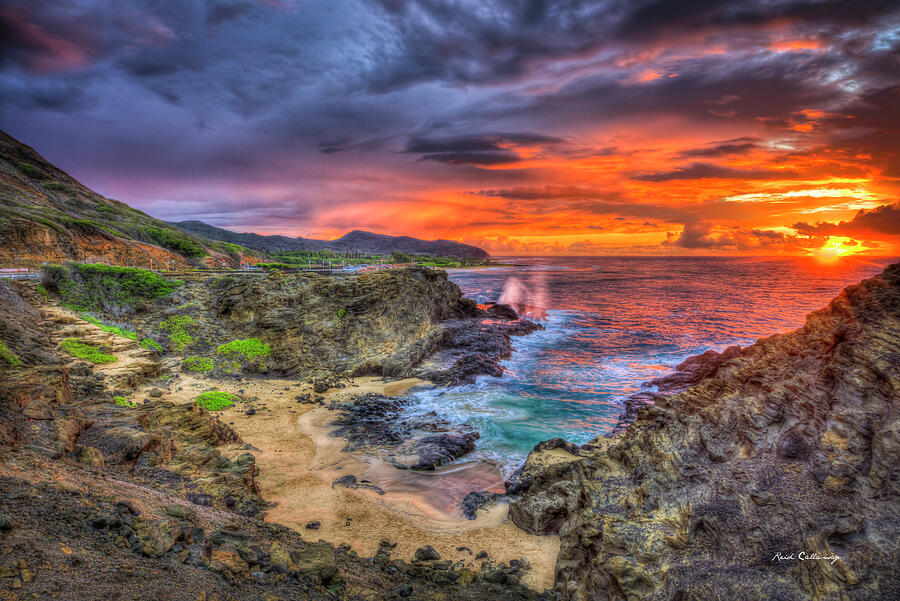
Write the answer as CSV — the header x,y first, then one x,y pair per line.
x,y
355,241
789,446
318,327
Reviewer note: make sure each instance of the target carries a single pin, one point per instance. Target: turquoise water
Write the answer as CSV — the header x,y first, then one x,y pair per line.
x,y
616,322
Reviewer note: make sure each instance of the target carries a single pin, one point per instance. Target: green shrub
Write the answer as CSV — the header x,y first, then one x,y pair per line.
x,y
82,350
249,349
173,240
110,328
57,187
199,364
97,287
341,312
123,402
43,291
238,353
31,171
215,400
179,328
8,357
151,345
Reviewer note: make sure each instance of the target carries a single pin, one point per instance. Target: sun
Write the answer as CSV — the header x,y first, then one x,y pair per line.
x,y
835,248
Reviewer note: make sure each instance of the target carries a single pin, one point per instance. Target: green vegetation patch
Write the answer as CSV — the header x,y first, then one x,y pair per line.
x,y
239,353
151,345
175,240
215,400
123,402
198,364
180,329
7,356
112,329
83,350
31,171
97,287
43,291
250,349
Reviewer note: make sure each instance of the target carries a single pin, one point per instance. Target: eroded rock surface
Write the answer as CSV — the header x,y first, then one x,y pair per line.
x,y
374,424
788,446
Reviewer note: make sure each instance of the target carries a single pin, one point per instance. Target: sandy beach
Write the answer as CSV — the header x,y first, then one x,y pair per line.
x,y
299,461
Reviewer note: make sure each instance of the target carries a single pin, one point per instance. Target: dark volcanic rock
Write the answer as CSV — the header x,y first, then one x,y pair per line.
x,y
473,347
427,553
480,500
788,446
687,373
374,424
350,481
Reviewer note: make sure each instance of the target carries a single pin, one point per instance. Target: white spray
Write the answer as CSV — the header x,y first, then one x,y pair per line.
x,y
530,302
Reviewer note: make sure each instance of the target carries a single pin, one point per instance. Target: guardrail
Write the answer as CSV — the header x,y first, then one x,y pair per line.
x,y
23,274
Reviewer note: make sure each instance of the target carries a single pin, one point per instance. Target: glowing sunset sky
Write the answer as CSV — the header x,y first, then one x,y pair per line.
x,y
522,126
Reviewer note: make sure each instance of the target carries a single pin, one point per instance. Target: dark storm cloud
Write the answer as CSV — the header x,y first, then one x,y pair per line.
x,y
281,92
724,148
589,201
500,157
477,149
480,42
709,170
477,142
880,220
870,125
705,236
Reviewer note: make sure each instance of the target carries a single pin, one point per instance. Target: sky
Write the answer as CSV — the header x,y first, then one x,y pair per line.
x,y
521,126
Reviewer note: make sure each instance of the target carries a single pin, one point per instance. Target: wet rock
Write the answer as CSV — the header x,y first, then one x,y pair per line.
x,y
350,481
6,524
155,393
481,555
500,311
315,525
480,500
251,411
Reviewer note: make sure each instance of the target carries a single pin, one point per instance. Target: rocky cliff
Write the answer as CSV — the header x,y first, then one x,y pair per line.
x,y
322,328
775,475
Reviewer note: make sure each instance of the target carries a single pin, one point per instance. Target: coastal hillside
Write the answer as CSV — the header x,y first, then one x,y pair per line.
x,y
773,476
48,216
355,241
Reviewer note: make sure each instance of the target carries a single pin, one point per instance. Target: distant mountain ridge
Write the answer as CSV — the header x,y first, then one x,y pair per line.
x,y
47,216
357,240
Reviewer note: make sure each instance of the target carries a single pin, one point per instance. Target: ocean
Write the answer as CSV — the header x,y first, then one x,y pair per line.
x,y
616,322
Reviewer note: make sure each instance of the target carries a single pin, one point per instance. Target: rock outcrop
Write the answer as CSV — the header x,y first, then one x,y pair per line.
x,y
322,328
773,476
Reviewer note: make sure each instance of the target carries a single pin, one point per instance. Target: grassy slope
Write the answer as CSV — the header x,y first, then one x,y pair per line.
x,y
33,190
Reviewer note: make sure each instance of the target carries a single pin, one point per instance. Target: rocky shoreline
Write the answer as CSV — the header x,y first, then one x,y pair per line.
x,y
785,446
784,449
165,485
